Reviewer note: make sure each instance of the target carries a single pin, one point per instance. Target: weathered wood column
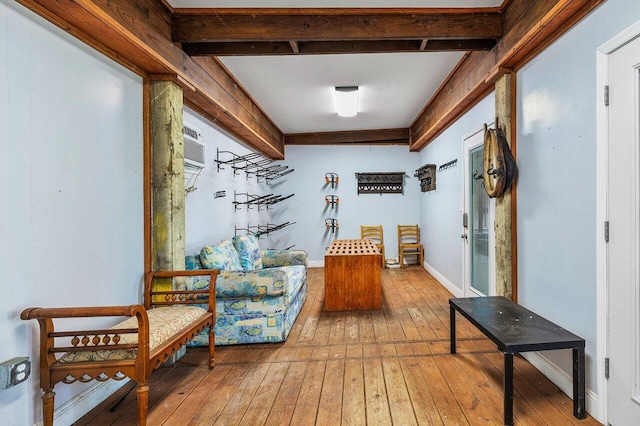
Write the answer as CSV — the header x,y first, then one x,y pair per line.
x,y
505,205
167,176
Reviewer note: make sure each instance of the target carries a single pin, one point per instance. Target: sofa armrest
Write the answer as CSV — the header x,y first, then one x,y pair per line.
x,y
261,282
276,258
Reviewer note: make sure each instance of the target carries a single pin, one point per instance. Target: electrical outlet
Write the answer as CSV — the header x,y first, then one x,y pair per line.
x,y
14,371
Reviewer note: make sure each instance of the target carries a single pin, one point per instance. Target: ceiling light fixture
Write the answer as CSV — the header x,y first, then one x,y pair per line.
x,y
347,100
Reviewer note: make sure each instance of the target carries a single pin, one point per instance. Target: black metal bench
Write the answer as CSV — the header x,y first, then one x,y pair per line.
x,y
516,329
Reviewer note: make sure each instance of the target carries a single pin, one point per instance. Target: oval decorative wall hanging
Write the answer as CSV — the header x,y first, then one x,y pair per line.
x,y
500,167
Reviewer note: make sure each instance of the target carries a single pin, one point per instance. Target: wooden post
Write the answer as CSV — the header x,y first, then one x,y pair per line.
x,y
505,205
167,177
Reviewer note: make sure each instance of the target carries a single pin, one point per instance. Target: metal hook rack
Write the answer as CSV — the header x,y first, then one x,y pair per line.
x,y
253,164
448,165
332,178
332,224
332,199
260,230
273,172
269,227
259,200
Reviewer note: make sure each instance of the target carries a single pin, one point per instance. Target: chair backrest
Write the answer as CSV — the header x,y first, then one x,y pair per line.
x,y
408,234
373,232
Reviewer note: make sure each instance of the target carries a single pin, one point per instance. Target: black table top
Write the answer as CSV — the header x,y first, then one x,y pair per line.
x,y
514,328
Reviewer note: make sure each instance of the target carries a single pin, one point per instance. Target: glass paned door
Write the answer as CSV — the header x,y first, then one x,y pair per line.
x,y
478,236
478,225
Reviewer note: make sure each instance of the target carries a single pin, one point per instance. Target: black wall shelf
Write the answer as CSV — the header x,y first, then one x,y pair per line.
x,y
380,183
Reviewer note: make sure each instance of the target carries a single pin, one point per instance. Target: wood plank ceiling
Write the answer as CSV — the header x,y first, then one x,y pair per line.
x,y
159,41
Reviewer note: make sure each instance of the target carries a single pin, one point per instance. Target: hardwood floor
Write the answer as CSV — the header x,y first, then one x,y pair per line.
x,y
351,368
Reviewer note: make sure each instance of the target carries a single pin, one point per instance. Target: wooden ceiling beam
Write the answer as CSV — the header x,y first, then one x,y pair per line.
x,y
358,137
137,35
331,25
333,47
528,28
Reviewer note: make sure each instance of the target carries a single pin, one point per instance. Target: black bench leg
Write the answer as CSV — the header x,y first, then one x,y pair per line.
x,y
579,409
452,329
508,389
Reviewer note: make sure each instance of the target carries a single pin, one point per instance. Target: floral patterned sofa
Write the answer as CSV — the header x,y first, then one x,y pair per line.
x,y
259,293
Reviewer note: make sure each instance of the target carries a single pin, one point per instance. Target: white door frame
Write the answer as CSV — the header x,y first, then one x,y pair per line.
x,y
602,142
466,259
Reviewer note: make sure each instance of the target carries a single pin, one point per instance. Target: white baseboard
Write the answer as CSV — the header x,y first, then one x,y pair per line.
x,y
72,410
457,292
562,380
315,264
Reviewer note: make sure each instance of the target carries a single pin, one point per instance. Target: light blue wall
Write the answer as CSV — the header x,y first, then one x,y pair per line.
x,y
71,223
210,220
309,209
440,210
556,133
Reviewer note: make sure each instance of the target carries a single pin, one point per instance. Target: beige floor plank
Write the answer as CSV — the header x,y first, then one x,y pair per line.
x,y
236,407
398,394
353,403
284,403
480,382
448,407
264,397
170,404
330,408
217,393
472,406
376,394
365,329
306,406
422,400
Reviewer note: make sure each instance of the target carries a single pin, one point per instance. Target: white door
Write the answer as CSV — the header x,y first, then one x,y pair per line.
x,y
623,248
478,236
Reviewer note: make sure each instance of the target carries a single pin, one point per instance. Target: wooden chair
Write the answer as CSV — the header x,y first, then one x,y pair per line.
x,y
374,233
409,243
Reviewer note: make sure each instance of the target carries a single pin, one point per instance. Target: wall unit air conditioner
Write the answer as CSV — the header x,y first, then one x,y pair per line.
x,y
193,146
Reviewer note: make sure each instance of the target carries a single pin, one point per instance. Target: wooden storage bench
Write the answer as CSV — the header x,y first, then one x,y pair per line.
x,y
352,277
133,348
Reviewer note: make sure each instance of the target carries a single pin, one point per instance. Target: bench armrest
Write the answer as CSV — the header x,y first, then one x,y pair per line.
x,y
86,340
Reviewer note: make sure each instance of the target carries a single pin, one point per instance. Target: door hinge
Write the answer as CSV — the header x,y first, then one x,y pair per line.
x,y
606,231
606,368
606,95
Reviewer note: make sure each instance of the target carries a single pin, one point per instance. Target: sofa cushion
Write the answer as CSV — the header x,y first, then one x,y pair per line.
x,y
263,300
221,256
192,262
248,251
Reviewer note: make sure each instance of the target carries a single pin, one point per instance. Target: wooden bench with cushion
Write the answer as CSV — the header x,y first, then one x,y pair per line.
x,y
132,348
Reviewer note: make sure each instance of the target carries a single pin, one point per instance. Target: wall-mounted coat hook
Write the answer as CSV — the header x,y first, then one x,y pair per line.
x,y
448,165
332,199
332,224
332,178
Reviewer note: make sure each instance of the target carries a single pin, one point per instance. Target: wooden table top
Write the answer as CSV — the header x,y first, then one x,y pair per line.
x,y
352,248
